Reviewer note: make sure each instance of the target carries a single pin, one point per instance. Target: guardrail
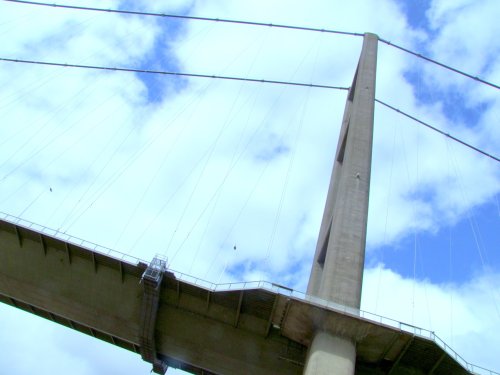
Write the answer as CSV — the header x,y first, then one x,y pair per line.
x,y
276,288
71,239
266,285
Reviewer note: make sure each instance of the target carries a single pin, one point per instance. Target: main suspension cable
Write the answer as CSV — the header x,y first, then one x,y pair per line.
x,y
185,17
178,74
438,130
232,78
461,72
253,23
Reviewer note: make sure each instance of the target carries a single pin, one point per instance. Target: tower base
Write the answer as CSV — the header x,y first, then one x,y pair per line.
x,y
330,355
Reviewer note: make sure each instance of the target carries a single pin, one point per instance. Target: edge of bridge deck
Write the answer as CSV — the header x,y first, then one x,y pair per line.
x,y
296,310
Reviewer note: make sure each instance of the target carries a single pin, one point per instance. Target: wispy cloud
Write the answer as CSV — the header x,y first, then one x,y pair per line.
x,y
210,165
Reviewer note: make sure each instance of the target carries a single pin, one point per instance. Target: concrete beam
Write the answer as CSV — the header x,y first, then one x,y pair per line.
x,y
272,334
400,356
103,297
330,354
436,365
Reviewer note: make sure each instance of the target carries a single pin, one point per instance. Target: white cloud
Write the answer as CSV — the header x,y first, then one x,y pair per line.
x,y
36,345
459,314
203,168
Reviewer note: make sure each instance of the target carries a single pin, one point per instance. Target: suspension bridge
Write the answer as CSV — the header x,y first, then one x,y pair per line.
x,y
174,320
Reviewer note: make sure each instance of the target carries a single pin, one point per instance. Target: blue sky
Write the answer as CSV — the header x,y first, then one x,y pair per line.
x,y
451,255
127,160
415,12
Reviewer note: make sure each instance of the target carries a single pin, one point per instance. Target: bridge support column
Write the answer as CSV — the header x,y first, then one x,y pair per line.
x,y
330,355
337,270
151,281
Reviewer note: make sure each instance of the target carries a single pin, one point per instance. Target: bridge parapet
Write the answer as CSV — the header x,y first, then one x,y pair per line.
x,y
200,326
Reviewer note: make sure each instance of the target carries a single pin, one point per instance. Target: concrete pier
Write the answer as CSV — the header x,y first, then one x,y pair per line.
x,y
337,271
330,355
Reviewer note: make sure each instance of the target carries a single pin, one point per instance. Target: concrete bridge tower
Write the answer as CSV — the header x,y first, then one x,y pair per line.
x,y
337,270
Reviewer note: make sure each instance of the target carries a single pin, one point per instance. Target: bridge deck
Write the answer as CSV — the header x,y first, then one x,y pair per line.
x,y
197,329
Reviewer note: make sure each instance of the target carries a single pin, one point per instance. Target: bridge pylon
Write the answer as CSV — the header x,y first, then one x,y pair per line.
x,y
337,270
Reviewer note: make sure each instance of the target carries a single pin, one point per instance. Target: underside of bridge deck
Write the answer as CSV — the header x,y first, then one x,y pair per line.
x,y
194,328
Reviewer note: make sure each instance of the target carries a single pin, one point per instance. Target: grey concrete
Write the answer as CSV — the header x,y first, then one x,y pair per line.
x,y
103,297
337,271
330,355
182,325
229,332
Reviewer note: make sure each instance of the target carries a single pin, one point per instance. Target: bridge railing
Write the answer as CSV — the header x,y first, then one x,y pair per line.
x,y
71,239
272,287
276,288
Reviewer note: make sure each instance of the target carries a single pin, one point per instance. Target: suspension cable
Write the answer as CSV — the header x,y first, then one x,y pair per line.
x,y
461,72
438,130
253,23
185,17
178,74
233,78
